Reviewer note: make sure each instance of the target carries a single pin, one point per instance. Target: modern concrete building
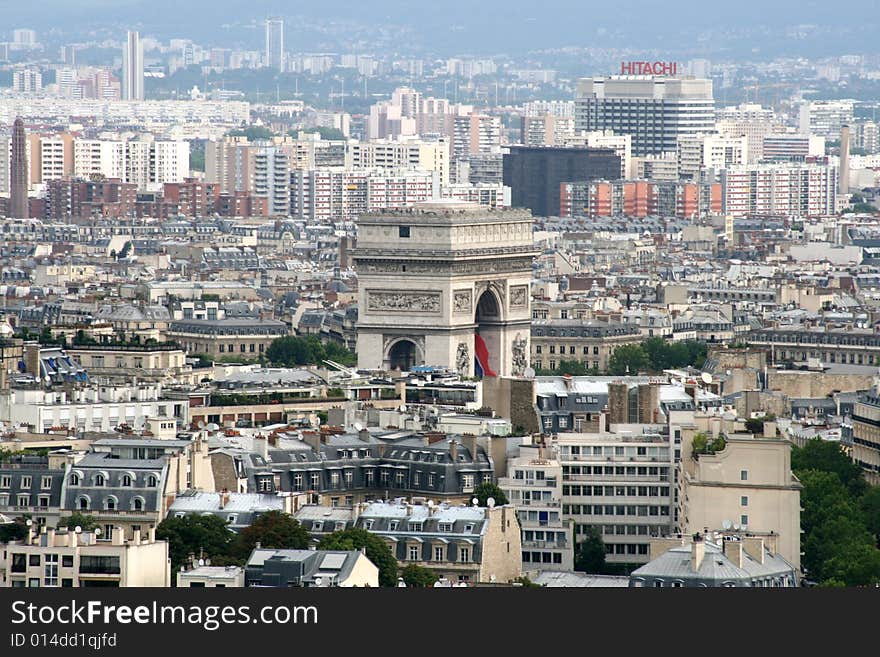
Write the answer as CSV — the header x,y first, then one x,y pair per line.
x,y
18,173
866,436
655,110
56,558
220,577
445,284
133,67
534,488
275,43
791,190
825,118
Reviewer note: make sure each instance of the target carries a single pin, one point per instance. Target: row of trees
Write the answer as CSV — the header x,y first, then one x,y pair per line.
x,y
656,355
291,351
840,518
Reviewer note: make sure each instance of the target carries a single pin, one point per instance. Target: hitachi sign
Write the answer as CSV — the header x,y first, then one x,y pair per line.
x,y
648,68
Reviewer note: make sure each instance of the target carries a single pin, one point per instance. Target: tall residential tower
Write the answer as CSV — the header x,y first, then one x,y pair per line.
x,y
133,68
18,173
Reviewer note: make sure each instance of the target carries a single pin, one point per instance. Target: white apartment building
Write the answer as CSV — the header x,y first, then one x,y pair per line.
x,y
405,153
475,134
547,130
621,144
623,482
784,190
27,80
791,147
534,487
655,110
6,160
825,117
270,178
96,408
335,194
490,195
710,151
561,108
751,121
147,163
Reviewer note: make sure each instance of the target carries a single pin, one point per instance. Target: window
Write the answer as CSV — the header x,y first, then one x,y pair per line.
x,y
50,571
744,501
743,475
45,483
744,520
126,481
19,563
33,560
67,561
138,504
24,500
74,479
413,552
99,565
82,503
152,481
403,231
438,553
464,555
445,527
467,481
99,479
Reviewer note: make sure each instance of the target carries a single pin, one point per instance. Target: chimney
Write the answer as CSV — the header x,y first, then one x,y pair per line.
x,y
224,499
843,173
136,537
312,439
152,534
261,446
469,441
72,538
754,547
698,551
733,550
603,420
117,536
364,435
453,450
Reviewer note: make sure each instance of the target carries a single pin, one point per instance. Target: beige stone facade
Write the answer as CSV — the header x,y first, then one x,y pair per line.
x,y
749,484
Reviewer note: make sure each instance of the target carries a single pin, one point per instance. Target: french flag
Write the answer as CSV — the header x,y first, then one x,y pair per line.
x,y
481,365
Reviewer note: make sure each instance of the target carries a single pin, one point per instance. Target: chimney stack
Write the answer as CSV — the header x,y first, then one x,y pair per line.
x,y
453,450
698,552
733,550
843,173
754,547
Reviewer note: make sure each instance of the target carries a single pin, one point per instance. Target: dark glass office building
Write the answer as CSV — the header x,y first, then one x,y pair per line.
x,y
534,174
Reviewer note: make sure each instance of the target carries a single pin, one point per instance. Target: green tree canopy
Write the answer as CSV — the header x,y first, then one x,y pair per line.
x,y
486,490
252,132
628,359
272,529
76,519
418,577
826,455
376,550
13,531
590,554
290,351
195,534
870,504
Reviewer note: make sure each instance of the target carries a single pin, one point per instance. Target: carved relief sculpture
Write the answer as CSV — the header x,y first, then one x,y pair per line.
x,y
519,296
461,301
462,358
414,302
518,355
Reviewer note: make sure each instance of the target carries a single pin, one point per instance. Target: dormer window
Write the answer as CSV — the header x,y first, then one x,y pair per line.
x,y
99,480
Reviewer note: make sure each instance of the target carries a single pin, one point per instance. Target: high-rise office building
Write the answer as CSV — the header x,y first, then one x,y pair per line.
x,y
275,43
654,109
133,68
18,174
825,118
535,175
24,37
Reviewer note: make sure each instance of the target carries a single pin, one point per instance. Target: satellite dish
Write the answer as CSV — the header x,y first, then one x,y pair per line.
x,y
97,531
430,504
726,524
358,426
403,408
201,562
78,529
29,522
201,424
490,502
476,501
736,527
707,378
529,372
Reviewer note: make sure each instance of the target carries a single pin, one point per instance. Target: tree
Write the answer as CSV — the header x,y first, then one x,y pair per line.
x,y
755,425
418,577
85,522
827,456
628,359
13,531
272,529
870,505
525,582
590,555
291,351
376,549
252,132
195,534
486,490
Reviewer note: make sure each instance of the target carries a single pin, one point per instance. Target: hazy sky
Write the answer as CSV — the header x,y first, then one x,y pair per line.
x,y
487,25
